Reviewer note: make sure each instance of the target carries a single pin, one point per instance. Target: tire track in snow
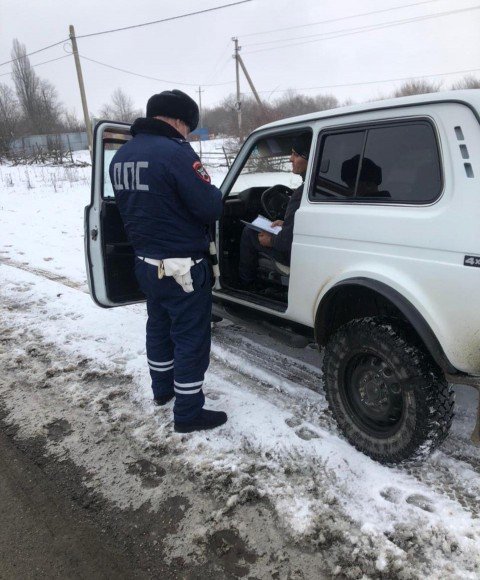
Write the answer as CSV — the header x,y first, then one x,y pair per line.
x,y
283,366
26,267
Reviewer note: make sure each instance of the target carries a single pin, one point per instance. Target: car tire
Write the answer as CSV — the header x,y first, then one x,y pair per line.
x,y
387,395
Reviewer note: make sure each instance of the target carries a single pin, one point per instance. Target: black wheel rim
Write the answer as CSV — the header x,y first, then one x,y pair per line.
x,y
373,395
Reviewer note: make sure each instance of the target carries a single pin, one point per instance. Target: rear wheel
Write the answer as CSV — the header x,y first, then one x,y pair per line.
x,y
388,397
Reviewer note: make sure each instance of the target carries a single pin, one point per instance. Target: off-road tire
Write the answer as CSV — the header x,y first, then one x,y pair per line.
x,y
378,359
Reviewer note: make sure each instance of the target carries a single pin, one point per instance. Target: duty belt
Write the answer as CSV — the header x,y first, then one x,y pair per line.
x,y
161,268
160,262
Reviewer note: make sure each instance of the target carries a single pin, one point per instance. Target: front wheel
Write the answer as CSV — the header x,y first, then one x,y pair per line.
x,y
386,394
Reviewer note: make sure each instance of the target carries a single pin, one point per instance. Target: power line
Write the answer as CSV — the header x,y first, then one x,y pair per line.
x,y
165,19
220,59
364,28
375,82
329,21
153,78
35,51
359,30
40,63
128,28
368,27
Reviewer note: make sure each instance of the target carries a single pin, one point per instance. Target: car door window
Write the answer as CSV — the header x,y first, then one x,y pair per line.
x,y
111,144
268,164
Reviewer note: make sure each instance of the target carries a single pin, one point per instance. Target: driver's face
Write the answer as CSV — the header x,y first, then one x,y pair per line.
x,y
299,163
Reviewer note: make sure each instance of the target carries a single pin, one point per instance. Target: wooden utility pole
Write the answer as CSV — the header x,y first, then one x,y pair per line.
x,y
250,82
239,63
200,119
238,104
82,89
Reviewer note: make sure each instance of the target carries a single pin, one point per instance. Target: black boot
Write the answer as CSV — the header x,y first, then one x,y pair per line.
x,y
206,420
162,400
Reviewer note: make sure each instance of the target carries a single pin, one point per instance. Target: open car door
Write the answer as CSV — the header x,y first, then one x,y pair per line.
x,y
109,257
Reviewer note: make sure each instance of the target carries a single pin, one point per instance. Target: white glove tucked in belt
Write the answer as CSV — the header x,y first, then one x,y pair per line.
x,y
179,268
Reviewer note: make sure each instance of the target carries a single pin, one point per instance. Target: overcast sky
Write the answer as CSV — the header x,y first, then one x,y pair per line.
x,y
198,49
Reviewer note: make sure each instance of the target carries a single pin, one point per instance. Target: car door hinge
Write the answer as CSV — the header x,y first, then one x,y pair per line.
x,y
94,234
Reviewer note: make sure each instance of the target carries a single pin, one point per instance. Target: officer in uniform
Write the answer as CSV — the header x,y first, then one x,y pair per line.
x,y
167,203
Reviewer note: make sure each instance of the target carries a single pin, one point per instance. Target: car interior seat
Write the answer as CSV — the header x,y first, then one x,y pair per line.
x,y
272,271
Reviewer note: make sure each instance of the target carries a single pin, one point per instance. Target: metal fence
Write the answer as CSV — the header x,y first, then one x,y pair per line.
x,y
64,141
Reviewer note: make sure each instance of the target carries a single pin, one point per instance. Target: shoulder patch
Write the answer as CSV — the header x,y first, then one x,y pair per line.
x,y
201,172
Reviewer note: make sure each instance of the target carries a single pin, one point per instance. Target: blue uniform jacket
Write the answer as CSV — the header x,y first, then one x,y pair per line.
x,y
163,193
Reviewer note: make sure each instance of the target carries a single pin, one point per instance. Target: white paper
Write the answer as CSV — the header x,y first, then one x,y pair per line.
x,y
266,225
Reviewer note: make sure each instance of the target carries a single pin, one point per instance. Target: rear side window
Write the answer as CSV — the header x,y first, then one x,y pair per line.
x,y
397,163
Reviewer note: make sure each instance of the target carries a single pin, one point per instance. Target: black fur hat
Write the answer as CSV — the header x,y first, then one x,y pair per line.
x,y
176,105
301,144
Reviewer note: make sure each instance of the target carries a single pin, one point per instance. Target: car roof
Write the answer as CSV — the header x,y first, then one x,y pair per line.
x,y
467,96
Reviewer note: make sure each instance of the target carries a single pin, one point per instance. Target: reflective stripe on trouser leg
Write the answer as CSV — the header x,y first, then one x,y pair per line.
x,y
191,335
159,349
158,342
162,377
187,388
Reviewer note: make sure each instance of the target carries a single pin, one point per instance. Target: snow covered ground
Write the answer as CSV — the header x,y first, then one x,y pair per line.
x,y
81,375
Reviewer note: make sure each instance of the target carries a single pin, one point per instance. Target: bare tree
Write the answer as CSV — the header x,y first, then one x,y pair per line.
x,y
293,104
49,107
25,80
10,116
468,82
38,98
325,102
72,123
416,87
121,108
222,119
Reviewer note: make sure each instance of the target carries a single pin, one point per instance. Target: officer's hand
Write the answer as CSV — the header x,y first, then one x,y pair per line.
x,y
277,223
266,240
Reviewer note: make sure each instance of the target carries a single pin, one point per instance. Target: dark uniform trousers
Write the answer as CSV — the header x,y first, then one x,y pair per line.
x,y
178,336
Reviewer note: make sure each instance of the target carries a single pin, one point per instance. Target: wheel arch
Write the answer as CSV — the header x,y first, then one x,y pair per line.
x,y
361,297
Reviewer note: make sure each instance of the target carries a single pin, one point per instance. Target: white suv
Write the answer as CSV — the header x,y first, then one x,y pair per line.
x,y
385,264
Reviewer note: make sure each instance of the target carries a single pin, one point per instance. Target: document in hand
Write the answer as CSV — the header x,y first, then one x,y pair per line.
x,y
262,224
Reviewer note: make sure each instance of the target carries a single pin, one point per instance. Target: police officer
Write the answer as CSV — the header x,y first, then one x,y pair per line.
x,y
167,203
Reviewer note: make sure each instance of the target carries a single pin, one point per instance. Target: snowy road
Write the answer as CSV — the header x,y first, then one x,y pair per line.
x,y
298,500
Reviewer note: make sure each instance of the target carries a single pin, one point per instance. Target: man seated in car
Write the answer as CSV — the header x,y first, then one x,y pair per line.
x,y
278,246
369,180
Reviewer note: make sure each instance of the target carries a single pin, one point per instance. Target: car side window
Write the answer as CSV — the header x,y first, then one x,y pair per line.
x,y
401,164
268,164
394,163
337,171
